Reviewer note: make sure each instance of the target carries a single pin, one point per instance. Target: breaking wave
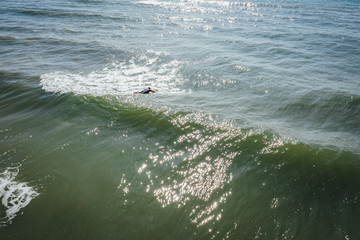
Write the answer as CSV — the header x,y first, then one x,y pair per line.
x,y
150,69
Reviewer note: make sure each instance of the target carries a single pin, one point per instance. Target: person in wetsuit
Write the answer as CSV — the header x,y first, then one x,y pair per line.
x,y
145,91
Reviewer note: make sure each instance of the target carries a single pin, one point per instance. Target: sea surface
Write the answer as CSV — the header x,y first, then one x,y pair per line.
x,y
253,132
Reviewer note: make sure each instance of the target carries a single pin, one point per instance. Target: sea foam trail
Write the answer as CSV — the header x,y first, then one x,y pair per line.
x,y
14,195
120,78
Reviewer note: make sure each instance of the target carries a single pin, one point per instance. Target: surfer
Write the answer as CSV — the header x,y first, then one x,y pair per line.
x,y
145,91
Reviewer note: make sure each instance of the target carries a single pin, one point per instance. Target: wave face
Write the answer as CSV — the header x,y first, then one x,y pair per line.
x,y
115,157
253,132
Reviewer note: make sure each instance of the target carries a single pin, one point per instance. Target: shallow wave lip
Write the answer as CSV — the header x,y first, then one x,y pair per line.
x,y
15,195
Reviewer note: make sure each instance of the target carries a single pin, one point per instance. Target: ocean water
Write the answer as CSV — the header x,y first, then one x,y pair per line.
x,y
253,133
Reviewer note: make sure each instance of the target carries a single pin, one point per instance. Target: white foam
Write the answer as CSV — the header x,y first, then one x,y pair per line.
x,y
182,6
14,195
120,78
203,6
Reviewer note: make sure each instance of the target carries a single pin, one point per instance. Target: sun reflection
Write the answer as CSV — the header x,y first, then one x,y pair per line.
x,y
125,186
192,171
142,168
198,174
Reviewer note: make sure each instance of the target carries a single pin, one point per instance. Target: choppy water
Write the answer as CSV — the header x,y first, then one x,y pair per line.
x,y
253,133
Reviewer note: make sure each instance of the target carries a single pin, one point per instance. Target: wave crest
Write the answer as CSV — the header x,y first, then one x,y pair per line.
x,y
151,69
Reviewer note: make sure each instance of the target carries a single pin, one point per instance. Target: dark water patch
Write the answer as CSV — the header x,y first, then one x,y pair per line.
x,y
6,38
16,29
322,185
9,28
333,111
63,13
51,41
6,76
21,102
40,42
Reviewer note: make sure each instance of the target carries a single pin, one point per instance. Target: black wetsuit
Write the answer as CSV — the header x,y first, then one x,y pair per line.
x,y
146,91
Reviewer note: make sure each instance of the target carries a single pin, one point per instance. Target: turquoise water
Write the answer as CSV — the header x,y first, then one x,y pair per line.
x,y
253,133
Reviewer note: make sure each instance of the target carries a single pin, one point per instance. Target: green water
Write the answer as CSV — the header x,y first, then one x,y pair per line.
x,y
107,169
253,133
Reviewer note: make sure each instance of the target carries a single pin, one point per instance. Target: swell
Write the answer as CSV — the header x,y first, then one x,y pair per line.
x,y
208,161
334,111
280,176
17,97
172,124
